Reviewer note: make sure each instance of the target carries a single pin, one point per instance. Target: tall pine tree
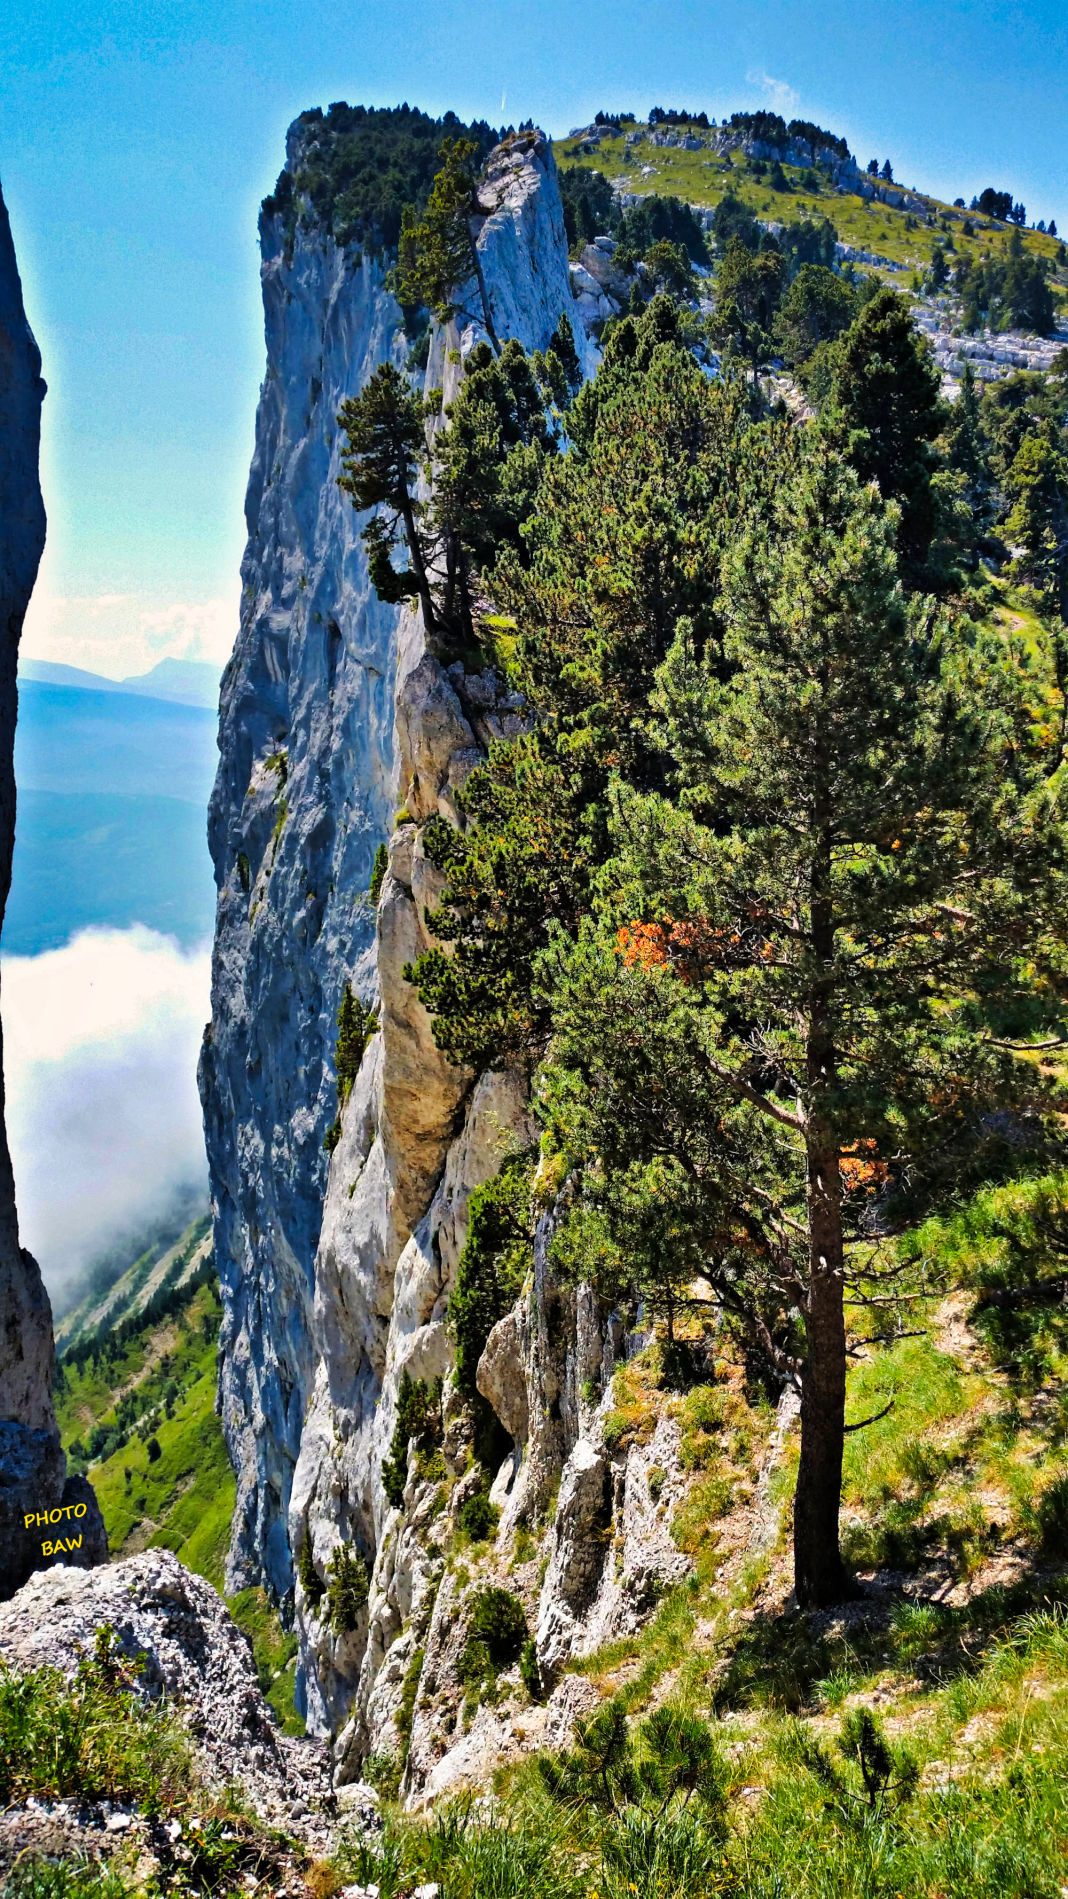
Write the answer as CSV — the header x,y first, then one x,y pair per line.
x,y
774,1011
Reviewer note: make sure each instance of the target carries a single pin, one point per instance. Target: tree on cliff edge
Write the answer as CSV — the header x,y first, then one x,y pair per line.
x,y
437,254
386,443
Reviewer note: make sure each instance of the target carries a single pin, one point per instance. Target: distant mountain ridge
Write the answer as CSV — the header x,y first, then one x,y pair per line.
x,y
113,789
189,682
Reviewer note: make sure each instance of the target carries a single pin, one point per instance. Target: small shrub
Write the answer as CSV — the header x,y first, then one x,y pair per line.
x,y
429,1464
1048,1517
478,1516
496,1632
656,1479
877,1775
531,1673
378,873
409,1695
383,1773
493,1263
526,1544
153,1449
348,1582
310,1580
418,1416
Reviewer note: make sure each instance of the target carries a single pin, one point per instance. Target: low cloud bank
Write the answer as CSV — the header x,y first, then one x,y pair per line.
x,y
101,1040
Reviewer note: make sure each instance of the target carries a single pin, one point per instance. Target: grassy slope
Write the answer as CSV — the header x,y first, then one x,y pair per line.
x,y
701,178
184,1499
956,1514
128,1291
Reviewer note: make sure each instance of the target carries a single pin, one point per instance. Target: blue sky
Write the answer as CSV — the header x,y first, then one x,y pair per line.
x,y
137,139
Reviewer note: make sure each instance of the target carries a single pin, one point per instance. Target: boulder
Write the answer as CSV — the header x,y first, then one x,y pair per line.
x,y
194,1654
501,1376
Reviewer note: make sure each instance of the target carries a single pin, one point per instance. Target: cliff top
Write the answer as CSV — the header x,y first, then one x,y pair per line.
x,y
356,168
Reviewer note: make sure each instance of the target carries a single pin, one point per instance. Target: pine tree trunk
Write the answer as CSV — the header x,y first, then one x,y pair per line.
x,y
415,555
820,1576
487,314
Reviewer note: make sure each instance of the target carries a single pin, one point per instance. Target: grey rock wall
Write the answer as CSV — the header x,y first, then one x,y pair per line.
x,y
26,1349
193,1656
306,790
302,798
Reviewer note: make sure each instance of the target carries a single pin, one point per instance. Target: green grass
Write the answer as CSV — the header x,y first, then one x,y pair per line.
x,y
701,178
275,1651
184,1499
981,1814
120,1296
39,1878
93,1740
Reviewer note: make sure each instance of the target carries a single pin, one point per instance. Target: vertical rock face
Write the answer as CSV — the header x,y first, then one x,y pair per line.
x,y
302,799
32,1465
304,795
26,1350
337,1272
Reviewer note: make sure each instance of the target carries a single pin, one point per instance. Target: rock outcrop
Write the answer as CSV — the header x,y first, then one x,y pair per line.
x,y
33,1479
194,1656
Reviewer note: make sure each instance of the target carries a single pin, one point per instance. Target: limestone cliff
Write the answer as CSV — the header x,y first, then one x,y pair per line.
x,y
302,799
32,1465
337,1272
304,795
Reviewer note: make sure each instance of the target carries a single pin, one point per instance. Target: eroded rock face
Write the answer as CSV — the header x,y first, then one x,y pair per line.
x,y
303,797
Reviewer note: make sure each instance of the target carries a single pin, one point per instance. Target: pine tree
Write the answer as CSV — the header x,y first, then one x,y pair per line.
x,y
385,428
437,254
749,289
773,1014
355,1026
884,412
624,538
818,306
1036,487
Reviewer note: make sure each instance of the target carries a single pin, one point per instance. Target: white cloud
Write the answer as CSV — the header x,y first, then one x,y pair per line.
x,y
780,96
120,634
100,1050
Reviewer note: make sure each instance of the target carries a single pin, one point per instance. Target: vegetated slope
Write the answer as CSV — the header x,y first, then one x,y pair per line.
x,y
903,238
118,1293
136,1408
401,1694
84,1300
910,1741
